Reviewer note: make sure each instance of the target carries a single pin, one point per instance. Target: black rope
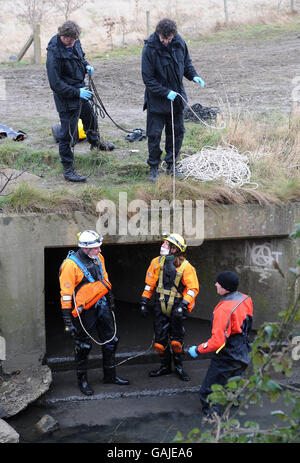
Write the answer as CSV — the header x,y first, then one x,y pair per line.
x,y
205,113
99,106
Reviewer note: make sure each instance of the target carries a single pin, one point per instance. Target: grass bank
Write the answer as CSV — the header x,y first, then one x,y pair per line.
x,y
272,145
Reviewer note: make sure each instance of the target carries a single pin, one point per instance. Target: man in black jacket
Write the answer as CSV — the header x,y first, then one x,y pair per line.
x,y
66,68
165,61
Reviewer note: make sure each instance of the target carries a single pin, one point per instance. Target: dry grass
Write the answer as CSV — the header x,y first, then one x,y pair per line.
x,y
27,198
273,148
212,193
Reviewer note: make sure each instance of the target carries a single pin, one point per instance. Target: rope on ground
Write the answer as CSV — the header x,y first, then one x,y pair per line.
x,y
213,163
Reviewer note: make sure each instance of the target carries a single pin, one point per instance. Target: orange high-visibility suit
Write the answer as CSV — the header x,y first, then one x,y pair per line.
x,y
172,286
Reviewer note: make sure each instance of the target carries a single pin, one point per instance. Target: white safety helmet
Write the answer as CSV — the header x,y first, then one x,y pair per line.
x,y
89,239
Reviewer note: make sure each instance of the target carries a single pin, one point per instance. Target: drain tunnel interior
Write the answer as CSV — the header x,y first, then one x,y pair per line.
x,y
126,266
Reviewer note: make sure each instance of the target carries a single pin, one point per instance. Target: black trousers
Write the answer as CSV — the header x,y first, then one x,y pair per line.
x,y
69,134
219,372
167,329
100,320
155,125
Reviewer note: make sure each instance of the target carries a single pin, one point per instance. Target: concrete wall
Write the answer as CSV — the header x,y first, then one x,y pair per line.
x,y
244,239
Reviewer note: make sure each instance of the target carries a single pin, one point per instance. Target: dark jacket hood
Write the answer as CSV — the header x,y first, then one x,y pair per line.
x,y
153,41
56,46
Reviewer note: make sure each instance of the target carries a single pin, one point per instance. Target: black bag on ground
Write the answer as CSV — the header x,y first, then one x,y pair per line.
x,y
8,132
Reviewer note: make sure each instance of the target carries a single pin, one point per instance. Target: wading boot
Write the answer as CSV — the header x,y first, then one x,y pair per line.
x,y
70,175
165,368
153,174
109,368
178,367
84,385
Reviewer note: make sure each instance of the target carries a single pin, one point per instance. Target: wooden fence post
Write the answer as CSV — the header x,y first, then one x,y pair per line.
x,y
37,44
25,48
292,6
147,24
226,11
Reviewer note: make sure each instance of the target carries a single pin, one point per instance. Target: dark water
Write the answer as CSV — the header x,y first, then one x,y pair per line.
x,y
161,428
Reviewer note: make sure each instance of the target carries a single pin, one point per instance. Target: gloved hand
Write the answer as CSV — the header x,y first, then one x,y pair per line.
x,y
193,351
89,69
181,310
110,300
172,95
85,94
67,318
144,308
198,80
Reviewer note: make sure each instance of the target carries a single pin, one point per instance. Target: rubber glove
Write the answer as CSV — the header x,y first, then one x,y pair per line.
x,y
144,308
85,94
89,69
193,351
67,318
110,301
181,310
199,81
172,95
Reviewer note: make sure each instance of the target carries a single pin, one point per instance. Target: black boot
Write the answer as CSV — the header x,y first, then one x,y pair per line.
x,y
170,171
153,174
178,367
71,175
165,368
83,384
110,377
109,368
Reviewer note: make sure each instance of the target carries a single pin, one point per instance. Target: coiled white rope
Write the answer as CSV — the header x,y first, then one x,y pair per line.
x,y
213,163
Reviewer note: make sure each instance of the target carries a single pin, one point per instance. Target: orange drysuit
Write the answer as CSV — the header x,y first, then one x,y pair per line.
x,y
189,285
232,320
72,279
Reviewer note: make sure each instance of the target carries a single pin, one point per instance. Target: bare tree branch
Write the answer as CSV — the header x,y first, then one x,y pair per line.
x,y
67,7
33,12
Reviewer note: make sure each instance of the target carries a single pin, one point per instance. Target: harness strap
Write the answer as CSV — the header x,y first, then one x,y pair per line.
x,y
83,268
71,256
173,292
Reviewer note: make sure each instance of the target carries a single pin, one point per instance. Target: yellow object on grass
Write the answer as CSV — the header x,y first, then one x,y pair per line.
x,y
81,132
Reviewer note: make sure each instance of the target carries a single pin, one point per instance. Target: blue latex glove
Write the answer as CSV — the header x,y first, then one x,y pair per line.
x,y
89,69
85,93
193,351
199,81
172,95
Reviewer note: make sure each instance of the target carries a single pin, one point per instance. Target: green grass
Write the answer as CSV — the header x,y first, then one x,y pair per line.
x,y
233,32
113,172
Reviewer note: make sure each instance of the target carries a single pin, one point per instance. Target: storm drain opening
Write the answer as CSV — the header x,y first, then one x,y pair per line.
x,y
126,265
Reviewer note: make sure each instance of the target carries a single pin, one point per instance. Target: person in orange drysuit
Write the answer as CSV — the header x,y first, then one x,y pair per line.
x,y
176,286
86,290
232,321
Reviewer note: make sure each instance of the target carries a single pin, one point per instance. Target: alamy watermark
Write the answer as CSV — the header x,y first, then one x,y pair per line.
x,y
2,89
296,350
137,218
2,348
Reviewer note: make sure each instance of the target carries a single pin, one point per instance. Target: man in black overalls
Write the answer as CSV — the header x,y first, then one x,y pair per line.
x,y
165,61
66,69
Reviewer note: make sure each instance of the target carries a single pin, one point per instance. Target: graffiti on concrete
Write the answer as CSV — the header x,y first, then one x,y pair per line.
x,y
2,348
262,258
